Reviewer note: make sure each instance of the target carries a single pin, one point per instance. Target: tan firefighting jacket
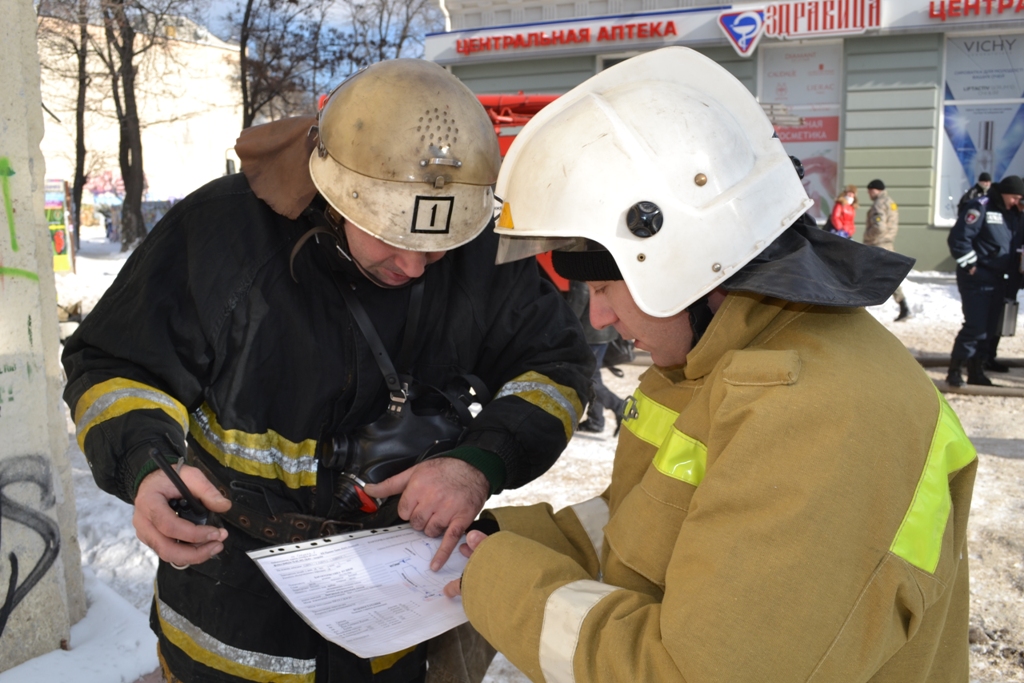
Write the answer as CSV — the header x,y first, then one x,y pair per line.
x,y
791,505
883,222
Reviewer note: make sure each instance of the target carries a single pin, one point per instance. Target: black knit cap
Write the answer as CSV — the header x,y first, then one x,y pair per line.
x,y
592,265
984,177
876,184
1011,184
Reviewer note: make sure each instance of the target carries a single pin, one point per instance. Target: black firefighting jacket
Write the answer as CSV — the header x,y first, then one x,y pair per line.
x,y
205,332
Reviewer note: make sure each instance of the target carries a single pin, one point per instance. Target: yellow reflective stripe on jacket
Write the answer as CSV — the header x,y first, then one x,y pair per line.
x,y
551,397
679,456
118,396
207,650
919,539
682,457
564,613
647,419
268,455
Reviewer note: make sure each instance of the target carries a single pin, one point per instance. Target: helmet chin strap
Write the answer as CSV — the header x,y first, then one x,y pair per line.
x,y
700,317
328,222
337,223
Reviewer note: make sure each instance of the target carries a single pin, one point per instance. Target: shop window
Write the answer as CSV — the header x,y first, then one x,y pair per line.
x,y
606,61
982,115
803,84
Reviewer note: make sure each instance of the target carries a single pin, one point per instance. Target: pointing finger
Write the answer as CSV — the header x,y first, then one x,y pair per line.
x,y
390,487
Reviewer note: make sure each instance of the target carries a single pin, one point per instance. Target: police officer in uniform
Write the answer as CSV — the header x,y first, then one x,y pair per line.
x,y
883,223
979,189
981,242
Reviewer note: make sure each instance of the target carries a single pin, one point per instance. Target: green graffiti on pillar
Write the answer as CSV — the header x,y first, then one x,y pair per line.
x,y
6,172
18,272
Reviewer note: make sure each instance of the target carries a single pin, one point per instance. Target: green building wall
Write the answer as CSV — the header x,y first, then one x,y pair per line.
x,y
893,90
533,76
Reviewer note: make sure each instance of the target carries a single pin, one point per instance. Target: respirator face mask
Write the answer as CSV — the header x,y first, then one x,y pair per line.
x,y
419,423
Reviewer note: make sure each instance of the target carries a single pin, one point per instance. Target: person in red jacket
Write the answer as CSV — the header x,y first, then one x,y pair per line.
x,y
844,210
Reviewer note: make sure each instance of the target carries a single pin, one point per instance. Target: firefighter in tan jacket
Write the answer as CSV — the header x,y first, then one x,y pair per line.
x,y
883,223
790,494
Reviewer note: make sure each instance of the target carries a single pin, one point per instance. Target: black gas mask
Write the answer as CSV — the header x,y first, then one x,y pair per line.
x,y
420,422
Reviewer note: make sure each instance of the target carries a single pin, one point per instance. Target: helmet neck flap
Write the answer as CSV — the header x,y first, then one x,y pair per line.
x,y
808,265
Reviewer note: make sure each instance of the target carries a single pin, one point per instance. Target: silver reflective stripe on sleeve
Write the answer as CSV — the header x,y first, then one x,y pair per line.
x,y
142,395
593,515
119,396
564,613
967,259
559,401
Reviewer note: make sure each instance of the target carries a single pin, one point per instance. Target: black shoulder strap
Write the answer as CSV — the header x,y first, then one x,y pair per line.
x,y
411,325
380,354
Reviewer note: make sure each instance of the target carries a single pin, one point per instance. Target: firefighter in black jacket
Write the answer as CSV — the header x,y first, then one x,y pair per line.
x,y
981,243
303,339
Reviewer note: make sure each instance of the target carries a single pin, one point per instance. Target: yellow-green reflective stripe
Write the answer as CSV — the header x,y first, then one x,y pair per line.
x,y
653,421
268,455
682,457
385,662
553,398
252,666
118,396
919,539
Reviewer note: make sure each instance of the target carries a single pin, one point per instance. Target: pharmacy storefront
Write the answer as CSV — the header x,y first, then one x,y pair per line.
x,y
925,94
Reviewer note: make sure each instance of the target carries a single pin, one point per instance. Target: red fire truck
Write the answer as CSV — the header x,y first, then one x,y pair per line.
x,y
509,113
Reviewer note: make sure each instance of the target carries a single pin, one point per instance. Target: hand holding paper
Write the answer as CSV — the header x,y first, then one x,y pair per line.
x,y
371,592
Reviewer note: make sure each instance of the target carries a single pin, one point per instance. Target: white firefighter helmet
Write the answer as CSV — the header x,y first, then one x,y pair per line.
x,y
666,161
407,154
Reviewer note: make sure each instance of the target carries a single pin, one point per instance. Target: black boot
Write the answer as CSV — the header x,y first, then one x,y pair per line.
x,y
976,373
995,366
953,377
904,311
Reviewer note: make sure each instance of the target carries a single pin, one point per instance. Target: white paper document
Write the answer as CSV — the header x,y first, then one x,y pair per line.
x,y
371,592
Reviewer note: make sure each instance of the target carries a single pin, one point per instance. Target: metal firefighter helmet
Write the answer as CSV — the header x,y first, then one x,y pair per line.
x,y
667,162
406,153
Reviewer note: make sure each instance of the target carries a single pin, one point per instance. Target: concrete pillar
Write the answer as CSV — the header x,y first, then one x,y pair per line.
x,y
41,591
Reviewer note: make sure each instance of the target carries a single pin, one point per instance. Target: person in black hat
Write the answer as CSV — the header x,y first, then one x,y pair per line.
x,y
883,223
982,244
980,189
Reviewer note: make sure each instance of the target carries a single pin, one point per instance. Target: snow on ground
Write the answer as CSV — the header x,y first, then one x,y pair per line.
x,y
113,643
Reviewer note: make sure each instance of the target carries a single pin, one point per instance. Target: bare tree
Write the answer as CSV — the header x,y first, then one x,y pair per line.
x,y
131,29
291,50
69,36
388,29
286,53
